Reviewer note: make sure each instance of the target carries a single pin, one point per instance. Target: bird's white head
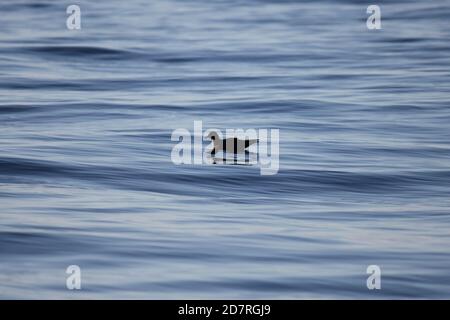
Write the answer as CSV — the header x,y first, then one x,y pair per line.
x,y
213,136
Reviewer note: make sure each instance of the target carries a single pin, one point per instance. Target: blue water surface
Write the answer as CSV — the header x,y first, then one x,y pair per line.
x,y
86,176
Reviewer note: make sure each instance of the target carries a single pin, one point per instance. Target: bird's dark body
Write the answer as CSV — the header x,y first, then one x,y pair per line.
x,y
233,145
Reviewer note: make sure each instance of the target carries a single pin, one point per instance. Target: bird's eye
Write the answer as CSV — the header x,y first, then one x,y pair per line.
x,y
213,138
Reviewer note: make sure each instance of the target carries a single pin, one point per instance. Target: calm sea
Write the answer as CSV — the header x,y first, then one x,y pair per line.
x,y
86,176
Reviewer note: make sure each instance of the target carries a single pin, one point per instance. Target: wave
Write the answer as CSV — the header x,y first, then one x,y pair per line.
x,y
208,180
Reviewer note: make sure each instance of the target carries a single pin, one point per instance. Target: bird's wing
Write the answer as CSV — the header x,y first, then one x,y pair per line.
x,y
237,145
249,142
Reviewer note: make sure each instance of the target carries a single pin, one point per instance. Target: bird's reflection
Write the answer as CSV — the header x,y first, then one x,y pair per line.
x,y
244,158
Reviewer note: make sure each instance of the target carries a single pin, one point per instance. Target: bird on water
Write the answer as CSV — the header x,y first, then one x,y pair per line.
x,y
230,145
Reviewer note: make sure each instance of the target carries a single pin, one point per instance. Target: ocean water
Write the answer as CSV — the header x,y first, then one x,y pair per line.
x,y
86,176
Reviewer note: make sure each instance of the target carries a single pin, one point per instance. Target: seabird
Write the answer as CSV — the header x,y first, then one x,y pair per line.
x,y
230,145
